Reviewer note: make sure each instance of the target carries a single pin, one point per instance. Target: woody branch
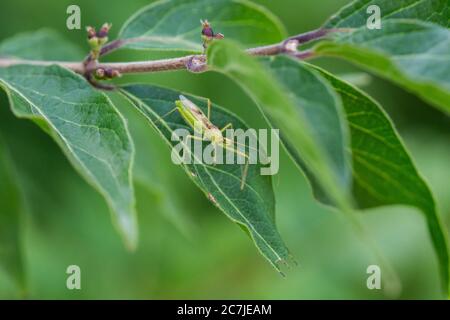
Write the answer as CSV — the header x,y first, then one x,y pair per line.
x,y
93,70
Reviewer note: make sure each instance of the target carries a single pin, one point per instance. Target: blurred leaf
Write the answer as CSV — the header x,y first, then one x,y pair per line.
x,y
254,206
10,216
355,15
169,203
86,125
323,156
175,25
414,54
383,172
43,44
316,100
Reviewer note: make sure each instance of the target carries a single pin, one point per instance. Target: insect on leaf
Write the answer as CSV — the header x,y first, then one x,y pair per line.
x,y
253,208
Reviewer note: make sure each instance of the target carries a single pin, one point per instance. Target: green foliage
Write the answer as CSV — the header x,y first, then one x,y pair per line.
x,y
11,214
175,25
379,159
316,100
87,127
383,172
43,44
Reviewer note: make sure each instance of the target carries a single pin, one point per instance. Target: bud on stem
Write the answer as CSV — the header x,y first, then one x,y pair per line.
x,y
106,74
208,34
97,39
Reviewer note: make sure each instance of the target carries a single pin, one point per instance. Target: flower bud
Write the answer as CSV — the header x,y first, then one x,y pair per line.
x,y
112,73
207,31
291,45
100,73
104,30
208,34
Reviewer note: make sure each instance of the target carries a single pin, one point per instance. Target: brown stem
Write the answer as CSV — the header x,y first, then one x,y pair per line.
x,y
149,66
194,63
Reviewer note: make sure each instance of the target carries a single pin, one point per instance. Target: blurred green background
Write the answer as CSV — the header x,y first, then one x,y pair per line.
x,y
188,249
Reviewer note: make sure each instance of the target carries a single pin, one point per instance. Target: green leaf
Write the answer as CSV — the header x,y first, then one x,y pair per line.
x,y
11,210
86,125
355,15
416,55
323,156
383,172
43,44
253,208
175,25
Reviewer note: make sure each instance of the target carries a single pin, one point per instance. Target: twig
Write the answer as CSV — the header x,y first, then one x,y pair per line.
x,y
193,63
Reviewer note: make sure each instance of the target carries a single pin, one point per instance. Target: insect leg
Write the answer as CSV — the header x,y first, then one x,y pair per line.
x,y
235,151
244,145
230,125
165,115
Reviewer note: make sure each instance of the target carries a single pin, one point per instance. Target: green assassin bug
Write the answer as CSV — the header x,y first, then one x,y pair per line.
x,y
206,130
